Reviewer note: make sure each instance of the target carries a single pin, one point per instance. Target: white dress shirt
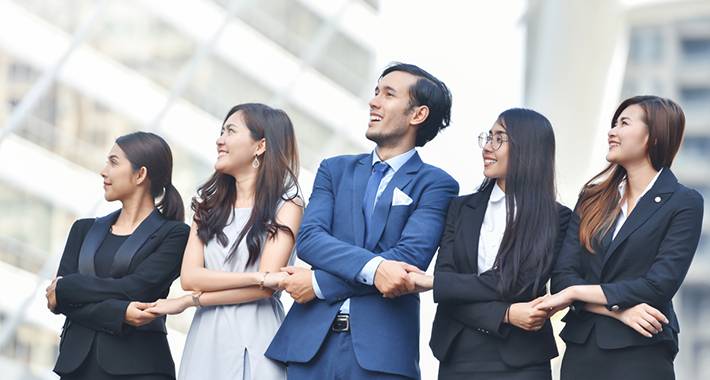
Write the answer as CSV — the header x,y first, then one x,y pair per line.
x,y
492,230
367,274
625,205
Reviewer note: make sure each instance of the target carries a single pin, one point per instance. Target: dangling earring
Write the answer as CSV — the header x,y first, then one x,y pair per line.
x,y
255,164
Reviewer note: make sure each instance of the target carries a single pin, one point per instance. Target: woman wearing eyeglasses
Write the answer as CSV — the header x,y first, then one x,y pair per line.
x,y
495,259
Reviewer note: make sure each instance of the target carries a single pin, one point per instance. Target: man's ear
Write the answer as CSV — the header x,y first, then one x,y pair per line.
x,y
419,115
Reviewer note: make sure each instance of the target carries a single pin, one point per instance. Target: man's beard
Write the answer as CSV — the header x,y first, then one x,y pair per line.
x,y
385,139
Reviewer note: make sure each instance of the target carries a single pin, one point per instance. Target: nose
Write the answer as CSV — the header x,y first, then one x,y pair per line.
x,y
374,103
103,173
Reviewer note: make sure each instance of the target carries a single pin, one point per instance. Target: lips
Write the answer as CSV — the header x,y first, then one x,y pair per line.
x,y
374,117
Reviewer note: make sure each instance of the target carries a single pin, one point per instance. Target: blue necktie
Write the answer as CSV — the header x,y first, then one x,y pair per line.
x,y
378,171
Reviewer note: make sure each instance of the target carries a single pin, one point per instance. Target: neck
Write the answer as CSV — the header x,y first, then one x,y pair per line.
x,y
387,152
246,185
638,176
501,183
134,210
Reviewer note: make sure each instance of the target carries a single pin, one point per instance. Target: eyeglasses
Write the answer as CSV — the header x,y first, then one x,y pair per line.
x,y
496,140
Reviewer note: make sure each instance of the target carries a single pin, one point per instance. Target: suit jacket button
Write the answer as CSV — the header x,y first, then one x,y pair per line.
x,y
615,308
657,199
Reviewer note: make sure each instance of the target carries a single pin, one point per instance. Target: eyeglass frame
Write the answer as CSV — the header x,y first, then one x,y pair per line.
x,y
486,137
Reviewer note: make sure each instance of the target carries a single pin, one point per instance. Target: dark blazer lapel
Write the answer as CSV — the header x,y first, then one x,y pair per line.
x,y
92,242
134,242
363,169
648,204
382,208
471,225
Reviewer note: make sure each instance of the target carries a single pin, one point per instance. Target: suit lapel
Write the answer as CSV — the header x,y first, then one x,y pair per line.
x,y
360,178
135,241
93,241
382,208
472,225
648,204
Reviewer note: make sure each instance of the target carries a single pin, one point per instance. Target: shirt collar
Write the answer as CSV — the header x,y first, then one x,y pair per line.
x,y
622,185
497,194
395,162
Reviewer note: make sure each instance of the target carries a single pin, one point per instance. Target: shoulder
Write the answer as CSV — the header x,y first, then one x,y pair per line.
x,y
689,196
176,227
342,160
564,211
564,215
438,175
81,227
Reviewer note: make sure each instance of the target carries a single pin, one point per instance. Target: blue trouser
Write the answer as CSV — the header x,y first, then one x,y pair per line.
x,y
336,361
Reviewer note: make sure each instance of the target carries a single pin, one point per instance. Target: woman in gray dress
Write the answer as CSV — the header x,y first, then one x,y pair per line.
x,y
246,218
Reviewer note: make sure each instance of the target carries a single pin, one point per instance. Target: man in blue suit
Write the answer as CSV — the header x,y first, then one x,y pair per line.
x,y
371,220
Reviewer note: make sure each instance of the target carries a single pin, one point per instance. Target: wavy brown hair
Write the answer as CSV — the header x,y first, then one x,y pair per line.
x,y
277,179
599,200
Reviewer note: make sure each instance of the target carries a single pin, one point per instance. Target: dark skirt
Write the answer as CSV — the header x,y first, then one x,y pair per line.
x,y
588,361
90,369
471,358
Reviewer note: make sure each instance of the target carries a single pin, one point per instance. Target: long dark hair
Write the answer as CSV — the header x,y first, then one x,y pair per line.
x,y
277,180
145,149
525,255
599,200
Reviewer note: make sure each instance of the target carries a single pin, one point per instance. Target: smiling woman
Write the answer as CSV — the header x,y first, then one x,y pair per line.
x,y
246,219
627,251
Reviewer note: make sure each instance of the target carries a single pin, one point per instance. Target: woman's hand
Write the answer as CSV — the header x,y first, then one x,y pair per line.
x,y
527,315
556,302
422,282
137,313
646,320
170,306
272,279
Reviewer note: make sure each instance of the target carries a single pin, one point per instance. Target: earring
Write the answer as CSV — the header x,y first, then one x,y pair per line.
x,y
255,164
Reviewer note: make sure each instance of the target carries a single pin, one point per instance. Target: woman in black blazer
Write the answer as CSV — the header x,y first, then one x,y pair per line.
x,y
493,264
627,251
112,265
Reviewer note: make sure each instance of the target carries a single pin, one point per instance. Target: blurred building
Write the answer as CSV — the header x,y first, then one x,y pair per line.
x,y
175,68
669,55
583,59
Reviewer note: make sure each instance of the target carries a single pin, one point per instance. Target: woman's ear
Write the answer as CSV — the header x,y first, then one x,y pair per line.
x,y
141,175
260,147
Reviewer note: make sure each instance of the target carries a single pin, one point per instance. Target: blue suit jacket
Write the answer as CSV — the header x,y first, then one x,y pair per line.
x,y
385,332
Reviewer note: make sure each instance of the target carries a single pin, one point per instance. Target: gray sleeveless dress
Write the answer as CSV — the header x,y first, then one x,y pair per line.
x,y
229,341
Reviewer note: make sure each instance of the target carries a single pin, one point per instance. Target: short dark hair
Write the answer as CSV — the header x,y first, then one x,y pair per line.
x,y
427,91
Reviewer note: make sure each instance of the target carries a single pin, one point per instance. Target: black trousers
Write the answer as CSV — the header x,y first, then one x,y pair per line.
x,y
588,361
90,369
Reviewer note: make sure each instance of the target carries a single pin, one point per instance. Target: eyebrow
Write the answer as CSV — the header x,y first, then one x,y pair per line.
x,y
625,118
386,88
112,156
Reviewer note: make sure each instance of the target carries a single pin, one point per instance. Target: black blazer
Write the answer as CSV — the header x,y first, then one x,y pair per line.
x,y
471,301
645,263
143,270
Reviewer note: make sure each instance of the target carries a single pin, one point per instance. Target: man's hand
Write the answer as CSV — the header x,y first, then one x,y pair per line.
x,y
526,315
392,278
136,314
299,284
52,295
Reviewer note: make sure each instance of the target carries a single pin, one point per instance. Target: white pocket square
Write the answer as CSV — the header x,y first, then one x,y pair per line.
x,y
399,198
